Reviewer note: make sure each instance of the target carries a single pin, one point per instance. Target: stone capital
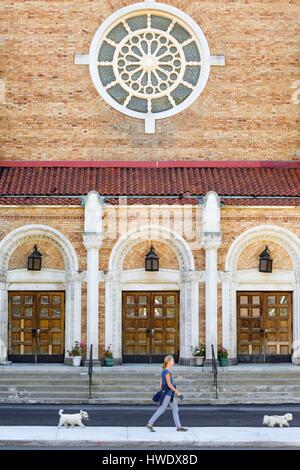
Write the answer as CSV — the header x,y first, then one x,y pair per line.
x,y
92,241
112,276
75,277
212,240
189,276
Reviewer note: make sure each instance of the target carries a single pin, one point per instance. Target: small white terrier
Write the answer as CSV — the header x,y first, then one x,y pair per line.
x,y
72,419
282,421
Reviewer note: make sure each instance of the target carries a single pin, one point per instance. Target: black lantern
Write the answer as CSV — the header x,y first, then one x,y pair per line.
x,y
265,261
35,260
152,260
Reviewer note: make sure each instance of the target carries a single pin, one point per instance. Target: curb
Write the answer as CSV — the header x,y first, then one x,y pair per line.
x,y
147,444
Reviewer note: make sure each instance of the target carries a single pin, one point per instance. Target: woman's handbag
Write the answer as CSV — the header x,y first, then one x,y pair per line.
x,y
157,396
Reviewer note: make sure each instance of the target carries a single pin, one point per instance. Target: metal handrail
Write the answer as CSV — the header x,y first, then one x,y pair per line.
x,y
214,369
90,371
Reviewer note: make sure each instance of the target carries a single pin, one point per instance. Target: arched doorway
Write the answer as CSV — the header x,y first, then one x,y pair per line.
x,y
261,311
51,296
165,286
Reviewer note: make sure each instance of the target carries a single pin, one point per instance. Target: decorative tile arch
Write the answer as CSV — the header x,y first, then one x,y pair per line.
x,y
72,279
232,281
185,280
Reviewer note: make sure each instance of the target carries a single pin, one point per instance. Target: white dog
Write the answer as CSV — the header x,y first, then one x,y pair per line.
x,y
72,420
282,421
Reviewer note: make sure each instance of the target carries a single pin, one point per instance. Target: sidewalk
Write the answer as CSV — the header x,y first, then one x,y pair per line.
x,y
138,436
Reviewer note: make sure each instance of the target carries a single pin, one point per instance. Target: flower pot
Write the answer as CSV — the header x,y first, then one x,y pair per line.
x,y
108,361
223,361
77,361
199,360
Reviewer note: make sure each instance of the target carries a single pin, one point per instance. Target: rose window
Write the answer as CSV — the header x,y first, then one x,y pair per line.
x,y
149,63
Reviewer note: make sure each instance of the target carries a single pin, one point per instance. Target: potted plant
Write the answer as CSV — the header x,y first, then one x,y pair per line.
x,y
77,352
199,354
223,356
108,357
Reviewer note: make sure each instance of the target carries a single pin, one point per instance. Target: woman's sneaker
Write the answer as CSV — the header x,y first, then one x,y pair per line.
x,y
150,427
182,429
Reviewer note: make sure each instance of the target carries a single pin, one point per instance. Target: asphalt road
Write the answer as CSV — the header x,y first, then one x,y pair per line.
x,y
102,415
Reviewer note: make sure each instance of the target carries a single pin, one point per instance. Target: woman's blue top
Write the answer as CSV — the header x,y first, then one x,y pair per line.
x,y
164,381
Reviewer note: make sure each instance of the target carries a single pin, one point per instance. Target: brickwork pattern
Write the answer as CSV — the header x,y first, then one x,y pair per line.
x,y
136,258
249,258
51,256
52,111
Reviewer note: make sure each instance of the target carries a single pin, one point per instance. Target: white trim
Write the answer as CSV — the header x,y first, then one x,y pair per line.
x,y
253,276
186,280
37,277
217,60
36,287
182,18
45,279
81,59
233,280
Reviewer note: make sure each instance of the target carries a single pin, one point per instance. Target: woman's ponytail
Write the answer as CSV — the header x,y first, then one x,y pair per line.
x,y
166,360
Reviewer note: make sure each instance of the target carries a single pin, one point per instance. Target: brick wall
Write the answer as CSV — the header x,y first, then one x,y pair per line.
x,y
51,256
136,258
249,258
51,110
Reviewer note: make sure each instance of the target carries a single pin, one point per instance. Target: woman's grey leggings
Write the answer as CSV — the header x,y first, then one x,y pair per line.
x,y
162,408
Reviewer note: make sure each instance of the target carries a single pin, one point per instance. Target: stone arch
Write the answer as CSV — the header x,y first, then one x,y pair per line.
x,y
72,283
22,234
275,233
127,241
184,280
283,237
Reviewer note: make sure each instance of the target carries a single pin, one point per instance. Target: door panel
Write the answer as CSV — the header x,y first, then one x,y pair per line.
x,y
150,326
264,322
36,326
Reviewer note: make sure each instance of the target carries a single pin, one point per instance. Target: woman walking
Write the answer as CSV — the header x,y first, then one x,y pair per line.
x,y
168,396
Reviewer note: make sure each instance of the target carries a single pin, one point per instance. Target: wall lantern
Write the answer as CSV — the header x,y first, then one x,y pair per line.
x,y
35,260
151,260
265,261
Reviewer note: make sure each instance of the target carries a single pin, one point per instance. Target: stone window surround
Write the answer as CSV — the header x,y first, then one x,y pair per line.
x,y
206,59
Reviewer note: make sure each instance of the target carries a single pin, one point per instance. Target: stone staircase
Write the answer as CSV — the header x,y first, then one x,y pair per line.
x,y
123,385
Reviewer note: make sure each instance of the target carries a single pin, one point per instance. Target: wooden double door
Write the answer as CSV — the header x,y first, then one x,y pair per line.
x,y
36,326
264,321
150,326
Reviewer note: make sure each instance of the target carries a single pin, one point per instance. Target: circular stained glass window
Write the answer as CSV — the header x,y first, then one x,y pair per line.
x,y
149,63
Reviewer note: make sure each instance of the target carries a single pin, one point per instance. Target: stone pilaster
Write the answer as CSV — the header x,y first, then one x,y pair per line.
x,y
211,243
92,239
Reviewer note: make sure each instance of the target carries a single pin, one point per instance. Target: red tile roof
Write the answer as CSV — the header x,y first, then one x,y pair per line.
x,y
181,182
